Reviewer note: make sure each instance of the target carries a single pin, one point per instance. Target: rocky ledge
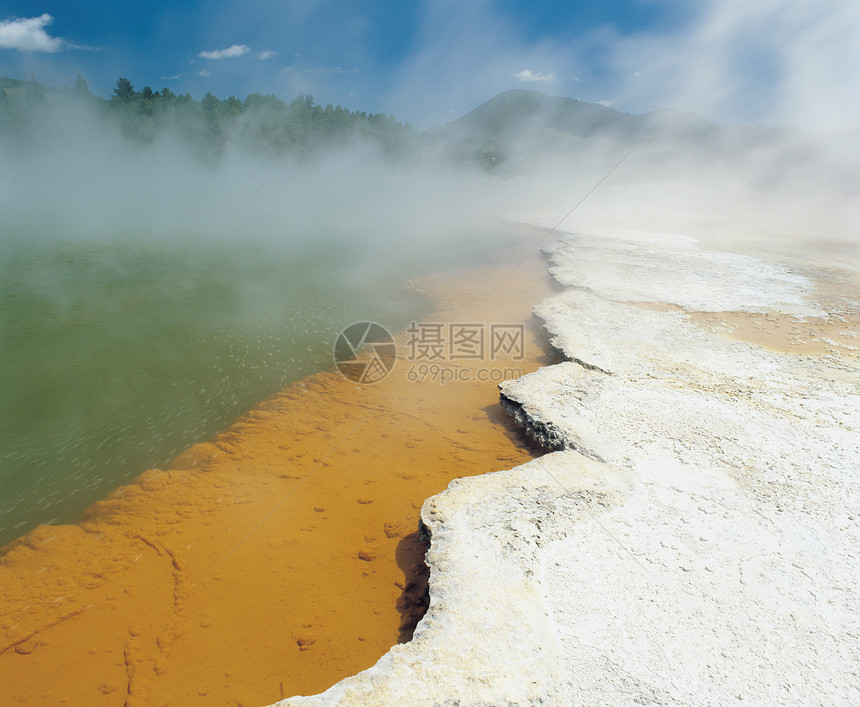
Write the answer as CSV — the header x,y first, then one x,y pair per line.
x,y
695,537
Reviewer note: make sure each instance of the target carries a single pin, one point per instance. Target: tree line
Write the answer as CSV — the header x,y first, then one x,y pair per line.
x,y
262,123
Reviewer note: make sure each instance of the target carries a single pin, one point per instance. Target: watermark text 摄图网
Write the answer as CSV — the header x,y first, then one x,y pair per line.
x,y
446,352
442,374
462,341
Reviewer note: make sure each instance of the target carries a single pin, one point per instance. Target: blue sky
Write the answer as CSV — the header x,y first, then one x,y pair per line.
x,y
427,61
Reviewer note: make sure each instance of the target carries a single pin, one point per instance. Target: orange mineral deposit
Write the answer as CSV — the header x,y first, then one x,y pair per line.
x,y
282,555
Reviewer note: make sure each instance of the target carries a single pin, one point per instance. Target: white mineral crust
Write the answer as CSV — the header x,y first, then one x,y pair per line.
x,y
695,538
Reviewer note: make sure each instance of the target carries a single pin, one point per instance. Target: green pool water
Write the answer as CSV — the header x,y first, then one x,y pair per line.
x,y
115,356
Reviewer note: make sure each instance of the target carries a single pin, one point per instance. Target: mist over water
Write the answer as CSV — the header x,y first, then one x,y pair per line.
x,y
150,294
152,291
116,356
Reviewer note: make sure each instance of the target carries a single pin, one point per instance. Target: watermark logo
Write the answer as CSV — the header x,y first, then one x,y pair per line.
x,y
365,352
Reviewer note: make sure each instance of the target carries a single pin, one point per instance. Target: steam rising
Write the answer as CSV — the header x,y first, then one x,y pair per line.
x,y
78,177
785,64
70,178
74,175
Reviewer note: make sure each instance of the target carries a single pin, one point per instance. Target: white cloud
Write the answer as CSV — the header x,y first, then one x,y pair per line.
x,y
606,103
28,35
228,53
331,70
202,72
777,61
465,53
339,70
268,54
529,76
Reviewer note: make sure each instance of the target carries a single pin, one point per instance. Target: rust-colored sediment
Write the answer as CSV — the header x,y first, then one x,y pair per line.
x,y
276,559
835,335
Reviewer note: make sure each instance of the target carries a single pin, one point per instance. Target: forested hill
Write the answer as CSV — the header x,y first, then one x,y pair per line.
x,y
261,123
507,132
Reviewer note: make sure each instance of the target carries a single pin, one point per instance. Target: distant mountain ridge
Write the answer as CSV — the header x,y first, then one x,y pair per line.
x,y
509,130
507,114
511,109
18,86
520,124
